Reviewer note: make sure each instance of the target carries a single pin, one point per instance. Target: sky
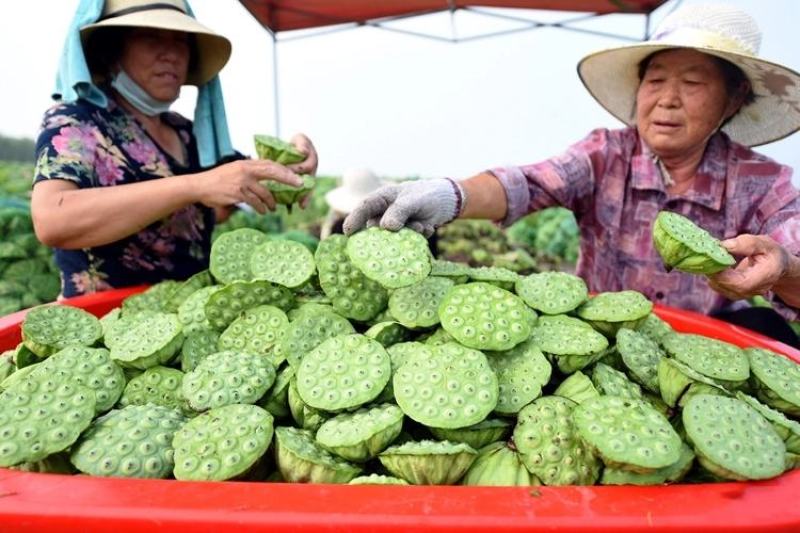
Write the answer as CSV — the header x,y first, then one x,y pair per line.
x,y
397,104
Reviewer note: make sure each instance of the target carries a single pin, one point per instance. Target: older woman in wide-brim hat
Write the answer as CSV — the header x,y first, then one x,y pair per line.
x,y
695,98
127,191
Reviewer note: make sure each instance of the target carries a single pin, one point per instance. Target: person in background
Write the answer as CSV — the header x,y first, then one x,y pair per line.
x,y
695,98
125,190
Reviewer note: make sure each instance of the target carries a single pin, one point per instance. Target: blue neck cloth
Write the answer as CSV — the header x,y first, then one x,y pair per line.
x,y
74,81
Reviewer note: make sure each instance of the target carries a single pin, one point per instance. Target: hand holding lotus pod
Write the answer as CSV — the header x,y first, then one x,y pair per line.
x,y
280,151
687,247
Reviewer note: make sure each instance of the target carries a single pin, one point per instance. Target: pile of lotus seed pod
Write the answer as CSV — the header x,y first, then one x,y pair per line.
x,y
368,362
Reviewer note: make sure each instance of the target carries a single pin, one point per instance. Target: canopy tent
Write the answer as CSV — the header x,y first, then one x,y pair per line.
x,y
278,16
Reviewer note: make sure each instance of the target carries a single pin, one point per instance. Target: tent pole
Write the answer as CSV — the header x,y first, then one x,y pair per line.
x,y
275,84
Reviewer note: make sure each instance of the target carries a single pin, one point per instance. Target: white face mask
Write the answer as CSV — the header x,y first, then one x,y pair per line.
x,y
138,97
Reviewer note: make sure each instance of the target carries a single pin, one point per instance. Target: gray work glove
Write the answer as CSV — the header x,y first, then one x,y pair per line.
x,y
420,205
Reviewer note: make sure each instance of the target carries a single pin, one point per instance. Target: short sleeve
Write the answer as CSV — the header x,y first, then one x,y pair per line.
x,y
66,147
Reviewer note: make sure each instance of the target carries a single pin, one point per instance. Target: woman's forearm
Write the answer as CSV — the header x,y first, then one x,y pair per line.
x,y
70,218
486,198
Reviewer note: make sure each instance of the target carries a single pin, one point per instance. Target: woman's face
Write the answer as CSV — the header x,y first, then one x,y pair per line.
x,y
681,101
158,60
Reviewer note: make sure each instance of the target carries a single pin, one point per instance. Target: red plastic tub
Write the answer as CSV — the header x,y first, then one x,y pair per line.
x,y
46,502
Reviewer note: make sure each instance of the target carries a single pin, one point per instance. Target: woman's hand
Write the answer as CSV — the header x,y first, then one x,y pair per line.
x,y
305,146
765,264
240,181
422,205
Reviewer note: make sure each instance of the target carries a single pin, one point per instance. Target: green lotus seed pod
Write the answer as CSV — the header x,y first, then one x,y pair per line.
x,y
49,328
577,387
627,433
669,474
788,430
7,366
343,372
301,460
453,387
363,434
226,378
607,312
550,446
24,357
439,336
305,416
306,332
108,320
700,388
485,317
40,416
186,288
393,259
776,380
687,247
732,440
388,333
275,149
477,435
654,327
149,339
377,479
675,378
91,367
716,359
58,463
230,254
352,294
158,385
255,331
287,195
198,345
499,465
192,312
641,355
521,374
222,443
276,401
154,299
429,462
134,442
416,306
20,375
564,335
610,382
227,304
552,293
285,263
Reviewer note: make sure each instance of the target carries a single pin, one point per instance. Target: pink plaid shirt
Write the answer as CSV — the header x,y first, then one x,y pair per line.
x,y
612,183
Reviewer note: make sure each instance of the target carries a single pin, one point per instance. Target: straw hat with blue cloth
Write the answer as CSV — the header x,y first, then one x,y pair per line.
x,y
74,80
126,190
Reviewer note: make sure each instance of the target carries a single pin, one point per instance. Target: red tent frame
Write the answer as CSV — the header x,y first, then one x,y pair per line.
x,y
278,16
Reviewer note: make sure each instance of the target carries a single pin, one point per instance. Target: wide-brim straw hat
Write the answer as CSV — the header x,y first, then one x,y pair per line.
x,y
357,184
612,76
213,50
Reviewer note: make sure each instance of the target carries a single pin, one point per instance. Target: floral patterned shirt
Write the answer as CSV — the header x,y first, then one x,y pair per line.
x,y
97,147
612,182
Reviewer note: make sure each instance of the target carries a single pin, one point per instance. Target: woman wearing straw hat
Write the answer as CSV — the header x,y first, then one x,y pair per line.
x,y
695,98
125,190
